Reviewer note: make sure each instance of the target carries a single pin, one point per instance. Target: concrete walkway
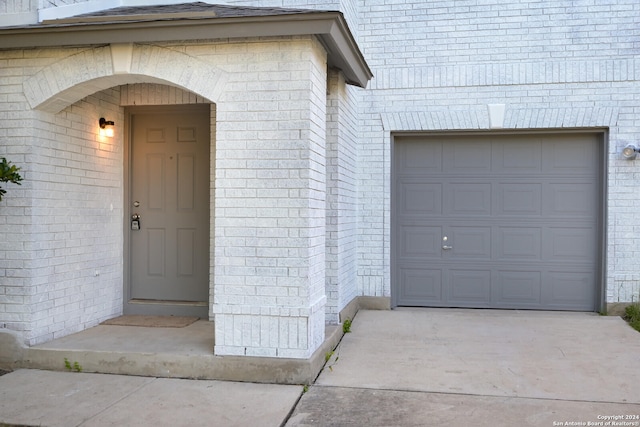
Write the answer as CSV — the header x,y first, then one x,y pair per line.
x,y
45,398
406,367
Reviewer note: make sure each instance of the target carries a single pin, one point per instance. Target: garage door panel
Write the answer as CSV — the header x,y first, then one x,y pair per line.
x,y
469,287
515,157
421,242
570,155
421,285
464,158
420,198
519,199
467,199
418,157
570,290
570,244
470,243
518,288
519,243
571,199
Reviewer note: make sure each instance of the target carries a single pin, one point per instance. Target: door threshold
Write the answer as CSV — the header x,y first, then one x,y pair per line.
x,y
150,307
169,302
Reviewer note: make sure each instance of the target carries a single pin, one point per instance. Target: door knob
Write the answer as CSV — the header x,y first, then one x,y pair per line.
x,y
446,248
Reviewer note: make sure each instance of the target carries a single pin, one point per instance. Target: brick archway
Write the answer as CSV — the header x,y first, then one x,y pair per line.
x,y
67,81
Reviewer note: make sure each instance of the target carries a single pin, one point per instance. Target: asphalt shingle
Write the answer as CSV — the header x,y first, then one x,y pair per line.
x,y
195,10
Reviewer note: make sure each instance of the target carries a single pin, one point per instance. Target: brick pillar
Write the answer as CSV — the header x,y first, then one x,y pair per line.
x,y
342,161
268,295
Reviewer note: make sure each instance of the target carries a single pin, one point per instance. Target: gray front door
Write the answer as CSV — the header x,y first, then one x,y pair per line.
x,y
496,221
169,191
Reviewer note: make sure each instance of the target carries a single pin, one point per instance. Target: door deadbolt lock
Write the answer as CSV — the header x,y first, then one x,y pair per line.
x,y
135,221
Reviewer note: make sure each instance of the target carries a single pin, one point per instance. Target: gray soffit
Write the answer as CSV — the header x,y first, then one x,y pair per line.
x,y
196,21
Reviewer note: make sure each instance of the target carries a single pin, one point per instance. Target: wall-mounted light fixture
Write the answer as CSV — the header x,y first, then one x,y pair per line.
x,y
106,127
630,152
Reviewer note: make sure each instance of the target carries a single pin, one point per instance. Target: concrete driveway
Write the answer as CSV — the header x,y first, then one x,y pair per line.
x,y
448,367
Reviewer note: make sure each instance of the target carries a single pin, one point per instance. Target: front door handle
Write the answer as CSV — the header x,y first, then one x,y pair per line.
x,y
446,248
135,221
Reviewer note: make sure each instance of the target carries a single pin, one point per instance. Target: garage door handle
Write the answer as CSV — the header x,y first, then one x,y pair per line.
x,y
446,248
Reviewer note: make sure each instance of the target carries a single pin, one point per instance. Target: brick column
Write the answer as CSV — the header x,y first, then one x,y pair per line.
x,y
342,161
268,295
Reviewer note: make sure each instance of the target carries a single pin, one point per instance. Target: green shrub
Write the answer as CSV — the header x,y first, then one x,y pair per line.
x,y
632,315
8,173
346,326
635,324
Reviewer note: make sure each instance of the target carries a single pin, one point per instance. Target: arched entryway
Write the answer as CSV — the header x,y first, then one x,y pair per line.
x,y
133,86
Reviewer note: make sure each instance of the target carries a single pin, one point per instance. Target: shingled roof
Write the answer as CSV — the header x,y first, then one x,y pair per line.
x,y
196,10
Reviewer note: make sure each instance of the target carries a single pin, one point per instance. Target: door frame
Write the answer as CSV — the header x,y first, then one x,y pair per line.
x,y
603,139
155,307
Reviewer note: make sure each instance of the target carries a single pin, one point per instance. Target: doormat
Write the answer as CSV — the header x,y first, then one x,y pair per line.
x,y
151,321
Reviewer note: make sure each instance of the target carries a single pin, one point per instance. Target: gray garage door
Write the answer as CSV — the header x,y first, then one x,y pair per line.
x,y
508,221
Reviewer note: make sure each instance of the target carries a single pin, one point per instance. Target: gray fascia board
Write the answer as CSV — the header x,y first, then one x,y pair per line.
x,y
350,59
329,27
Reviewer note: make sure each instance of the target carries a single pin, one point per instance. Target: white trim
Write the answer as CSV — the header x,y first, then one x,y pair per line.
x,y
496,115
121,55
16,19
515,117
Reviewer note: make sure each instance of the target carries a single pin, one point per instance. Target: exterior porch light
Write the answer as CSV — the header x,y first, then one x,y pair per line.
x,y
106,127
630,152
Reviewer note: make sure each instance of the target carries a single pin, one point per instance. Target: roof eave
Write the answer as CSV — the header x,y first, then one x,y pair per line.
x,y
344,53
329,27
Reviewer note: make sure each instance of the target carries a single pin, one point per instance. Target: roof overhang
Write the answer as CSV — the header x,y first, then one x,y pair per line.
x,y
330,28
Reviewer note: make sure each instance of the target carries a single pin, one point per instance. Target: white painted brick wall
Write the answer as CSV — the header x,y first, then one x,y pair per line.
x,y
16,6
282,269
17,12
77,219
62,254
438,64
341,242
157,94
269,204
16,208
